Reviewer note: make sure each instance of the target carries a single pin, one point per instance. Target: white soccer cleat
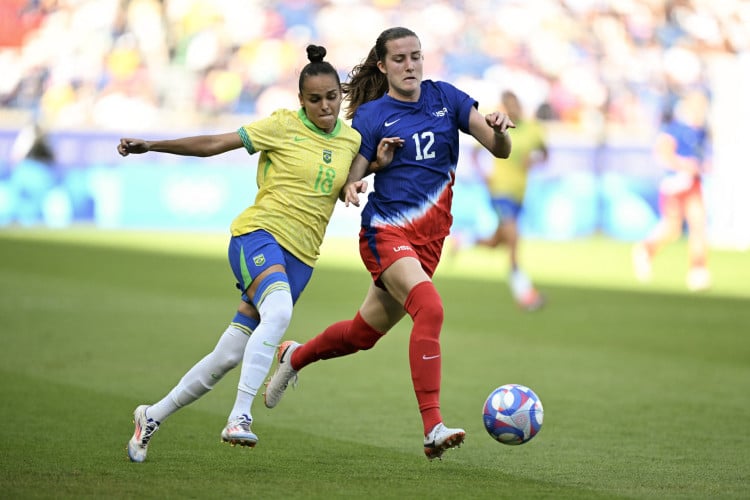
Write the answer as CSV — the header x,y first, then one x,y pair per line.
x,y
442,438
641,263
284,373
698,279
532,301
526,296
237,432
144,430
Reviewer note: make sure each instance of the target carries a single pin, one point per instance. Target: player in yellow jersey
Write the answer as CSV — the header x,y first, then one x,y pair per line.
x,y
506,183
305,157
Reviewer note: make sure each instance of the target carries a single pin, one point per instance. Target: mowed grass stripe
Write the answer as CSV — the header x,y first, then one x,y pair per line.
x,y
643,388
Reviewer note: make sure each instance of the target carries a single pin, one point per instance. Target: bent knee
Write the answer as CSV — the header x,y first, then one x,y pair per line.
x,y
227,361
365,340
434,311
277,309
279,316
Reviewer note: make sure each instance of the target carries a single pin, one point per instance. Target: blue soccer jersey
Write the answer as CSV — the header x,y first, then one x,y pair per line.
x,y
415,191
691,141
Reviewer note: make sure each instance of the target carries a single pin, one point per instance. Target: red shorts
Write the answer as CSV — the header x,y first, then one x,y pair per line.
x,y
382,246
671,202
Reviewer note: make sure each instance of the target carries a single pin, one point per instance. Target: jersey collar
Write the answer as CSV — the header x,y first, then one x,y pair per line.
x,y
309,124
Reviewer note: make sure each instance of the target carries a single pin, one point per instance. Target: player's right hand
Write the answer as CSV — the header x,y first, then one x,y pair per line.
x,y
132,146
500,122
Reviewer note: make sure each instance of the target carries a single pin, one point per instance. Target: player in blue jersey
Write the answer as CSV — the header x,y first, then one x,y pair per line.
x,y
305,157
682,152
415,123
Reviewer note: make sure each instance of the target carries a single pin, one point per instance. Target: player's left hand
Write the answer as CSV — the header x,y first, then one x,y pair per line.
x,y
500,122
386,148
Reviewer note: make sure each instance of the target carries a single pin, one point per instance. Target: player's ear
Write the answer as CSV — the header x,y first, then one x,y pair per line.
x,y
301,101
381,66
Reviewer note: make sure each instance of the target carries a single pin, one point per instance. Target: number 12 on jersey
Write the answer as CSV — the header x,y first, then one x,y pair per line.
x,y
424,153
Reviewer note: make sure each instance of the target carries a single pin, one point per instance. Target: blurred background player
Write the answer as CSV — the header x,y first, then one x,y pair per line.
x,y
305,157
32,176
681,150
506,182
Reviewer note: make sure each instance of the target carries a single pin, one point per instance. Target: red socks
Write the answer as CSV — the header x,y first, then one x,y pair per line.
x,y
347,337
426,310
339,339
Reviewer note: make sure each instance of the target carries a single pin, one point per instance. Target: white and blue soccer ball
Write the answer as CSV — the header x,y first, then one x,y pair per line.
x,y
513,414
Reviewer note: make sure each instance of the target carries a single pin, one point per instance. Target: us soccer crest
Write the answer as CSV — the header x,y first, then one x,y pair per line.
x,y
259,260
327,155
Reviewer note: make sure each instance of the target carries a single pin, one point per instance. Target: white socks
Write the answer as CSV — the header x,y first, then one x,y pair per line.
x,y
275,315
520,284
256,353
202,377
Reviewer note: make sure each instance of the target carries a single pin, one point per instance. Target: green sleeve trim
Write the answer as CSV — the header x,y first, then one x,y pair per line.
x,y
246,140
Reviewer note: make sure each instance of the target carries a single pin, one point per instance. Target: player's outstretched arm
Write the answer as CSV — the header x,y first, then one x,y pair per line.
x,y
200,145
354,183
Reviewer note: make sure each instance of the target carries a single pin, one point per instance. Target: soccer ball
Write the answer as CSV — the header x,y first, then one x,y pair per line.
x,y
513,414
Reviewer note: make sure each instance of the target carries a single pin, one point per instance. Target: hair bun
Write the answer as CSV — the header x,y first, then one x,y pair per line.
x,y
316,53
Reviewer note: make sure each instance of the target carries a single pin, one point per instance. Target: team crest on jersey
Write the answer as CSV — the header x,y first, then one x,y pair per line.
x,y
327,155
259,260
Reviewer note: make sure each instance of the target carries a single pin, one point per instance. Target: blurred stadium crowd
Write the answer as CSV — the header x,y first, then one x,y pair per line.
x,y
186,63
602,74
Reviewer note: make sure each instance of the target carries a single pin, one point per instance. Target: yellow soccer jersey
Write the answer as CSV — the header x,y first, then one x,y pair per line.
x,y
301,170
508,177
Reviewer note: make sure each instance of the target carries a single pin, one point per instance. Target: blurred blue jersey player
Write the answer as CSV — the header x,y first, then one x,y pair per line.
x,y
682,151
305,157
410,131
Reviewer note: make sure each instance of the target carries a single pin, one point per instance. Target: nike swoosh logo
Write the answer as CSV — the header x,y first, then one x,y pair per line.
x,y
268,344
388,124
426,357
299,139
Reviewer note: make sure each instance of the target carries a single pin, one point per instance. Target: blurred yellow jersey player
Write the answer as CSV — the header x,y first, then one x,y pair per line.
x,y
301,170
508,178
506,183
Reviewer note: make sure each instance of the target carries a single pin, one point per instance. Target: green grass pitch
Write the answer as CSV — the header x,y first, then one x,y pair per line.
x,y
645,388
